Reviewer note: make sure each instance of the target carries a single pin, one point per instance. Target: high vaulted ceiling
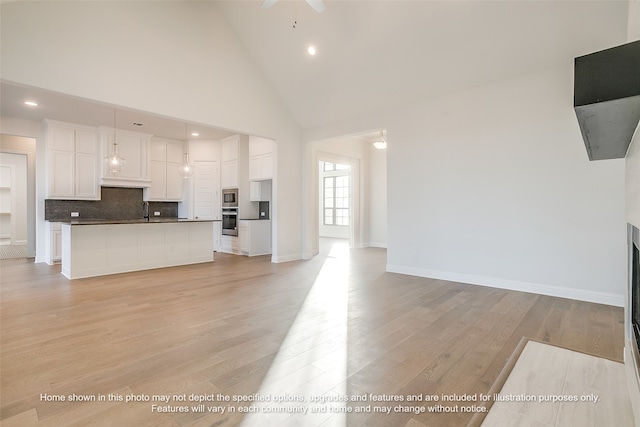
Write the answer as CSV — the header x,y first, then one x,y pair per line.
x,y
374,55
377,54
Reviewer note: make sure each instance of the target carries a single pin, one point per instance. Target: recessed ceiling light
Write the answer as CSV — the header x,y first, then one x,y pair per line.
x,y
195,134
31,103
311,50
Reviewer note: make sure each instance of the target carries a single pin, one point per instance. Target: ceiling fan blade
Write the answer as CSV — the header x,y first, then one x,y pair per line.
x,y
268,3
317,5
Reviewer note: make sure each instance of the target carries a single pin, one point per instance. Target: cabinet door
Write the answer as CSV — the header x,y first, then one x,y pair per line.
x,y
130,148
86,142
158,151
229,172
174,181
261,167
158,189
255,193
243,236
260,146
61,179
61,138
175,152
86,179
230,149
56,245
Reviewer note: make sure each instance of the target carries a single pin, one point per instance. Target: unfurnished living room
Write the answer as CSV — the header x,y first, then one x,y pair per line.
x,y
320,213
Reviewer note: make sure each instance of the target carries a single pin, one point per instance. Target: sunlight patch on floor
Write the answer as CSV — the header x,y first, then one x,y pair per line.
x,y
311,363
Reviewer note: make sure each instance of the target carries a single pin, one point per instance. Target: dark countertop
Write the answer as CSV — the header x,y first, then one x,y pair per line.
x,y
129,221
253,219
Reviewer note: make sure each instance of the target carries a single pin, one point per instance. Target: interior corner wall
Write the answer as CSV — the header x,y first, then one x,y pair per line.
x,y
492,186
632,188
378,197
175,59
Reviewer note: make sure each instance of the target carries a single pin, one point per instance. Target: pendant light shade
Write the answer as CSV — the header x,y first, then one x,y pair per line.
x,y
113,161
380,143
186,170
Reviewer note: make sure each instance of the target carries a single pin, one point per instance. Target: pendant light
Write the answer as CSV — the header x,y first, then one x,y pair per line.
x,y
380,143
113,161
186,170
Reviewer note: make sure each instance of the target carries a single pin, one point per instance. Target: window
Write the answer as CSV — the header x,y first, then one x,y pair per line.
x,y
335,193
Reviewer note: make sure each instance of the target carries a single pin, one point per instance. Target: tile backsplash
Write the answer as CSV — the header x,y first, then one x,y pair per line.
x,y
114,203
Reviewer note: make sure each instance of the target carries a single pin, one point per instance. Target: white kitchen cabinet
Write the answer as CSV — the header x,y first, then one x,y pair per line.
x,y
101,249
255,237
166,160
243,236
260,191
230,148
260,159
230,244
229,166
72,161
229,174
54,242
134,147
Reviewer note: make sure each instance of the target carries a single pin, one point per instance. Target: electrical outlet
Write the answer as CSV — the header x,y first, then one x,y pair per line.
x,y
156,214
75,214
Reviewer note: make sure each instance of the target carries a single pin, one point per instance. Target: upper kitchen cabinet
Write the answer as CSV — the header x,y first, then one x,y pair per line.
x,y
166,159
229,166
134,148
72,161
260,158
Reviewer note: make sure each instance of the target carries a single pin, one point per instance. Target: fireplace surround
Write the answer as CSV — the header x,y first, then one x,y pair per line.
x,y
632,317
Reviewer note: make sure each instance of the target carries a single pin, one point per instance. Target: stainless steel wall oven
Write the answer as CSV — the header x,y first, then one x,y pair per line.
x,y
230,221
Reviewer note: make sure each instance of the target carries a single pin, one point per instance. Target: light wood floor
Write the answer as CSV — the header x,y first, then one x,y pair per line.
x,y
544,372
337,325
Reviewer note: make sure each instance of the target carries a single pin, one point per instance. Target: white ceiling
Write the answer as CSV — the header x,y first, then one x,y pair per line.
x,y
378,54
374,55
66,108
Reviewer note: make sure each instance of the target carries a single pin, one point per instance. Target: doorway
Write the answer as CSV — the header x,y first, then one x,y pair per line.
x,y
17,197
335,193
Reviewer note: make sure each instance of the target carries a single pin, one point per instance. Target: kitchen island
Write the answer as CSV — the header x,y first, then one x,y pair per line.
x,y
99,247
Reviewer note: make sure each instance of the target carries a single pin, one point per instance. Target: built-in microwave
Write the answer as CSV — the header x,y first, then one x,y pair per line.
x,y
230,198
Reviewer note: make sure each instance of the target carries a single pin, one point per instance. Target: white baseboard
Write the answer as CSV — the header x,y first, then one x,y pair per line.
x,y
377,245
534,288
285,258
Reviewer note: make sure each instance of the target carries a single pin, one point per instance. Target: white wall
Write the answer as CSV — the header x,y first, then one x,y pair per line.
x,y
492,186
499,191
633,26
378,198
176,59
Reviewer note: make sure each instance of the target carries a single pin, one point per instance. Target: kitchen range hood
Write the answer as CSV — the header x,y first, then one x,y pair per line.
x,y
607,99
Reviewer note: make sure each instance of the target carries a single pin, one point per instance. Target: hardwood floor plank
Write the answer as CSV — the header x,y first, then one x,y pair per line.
x,y
336,324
